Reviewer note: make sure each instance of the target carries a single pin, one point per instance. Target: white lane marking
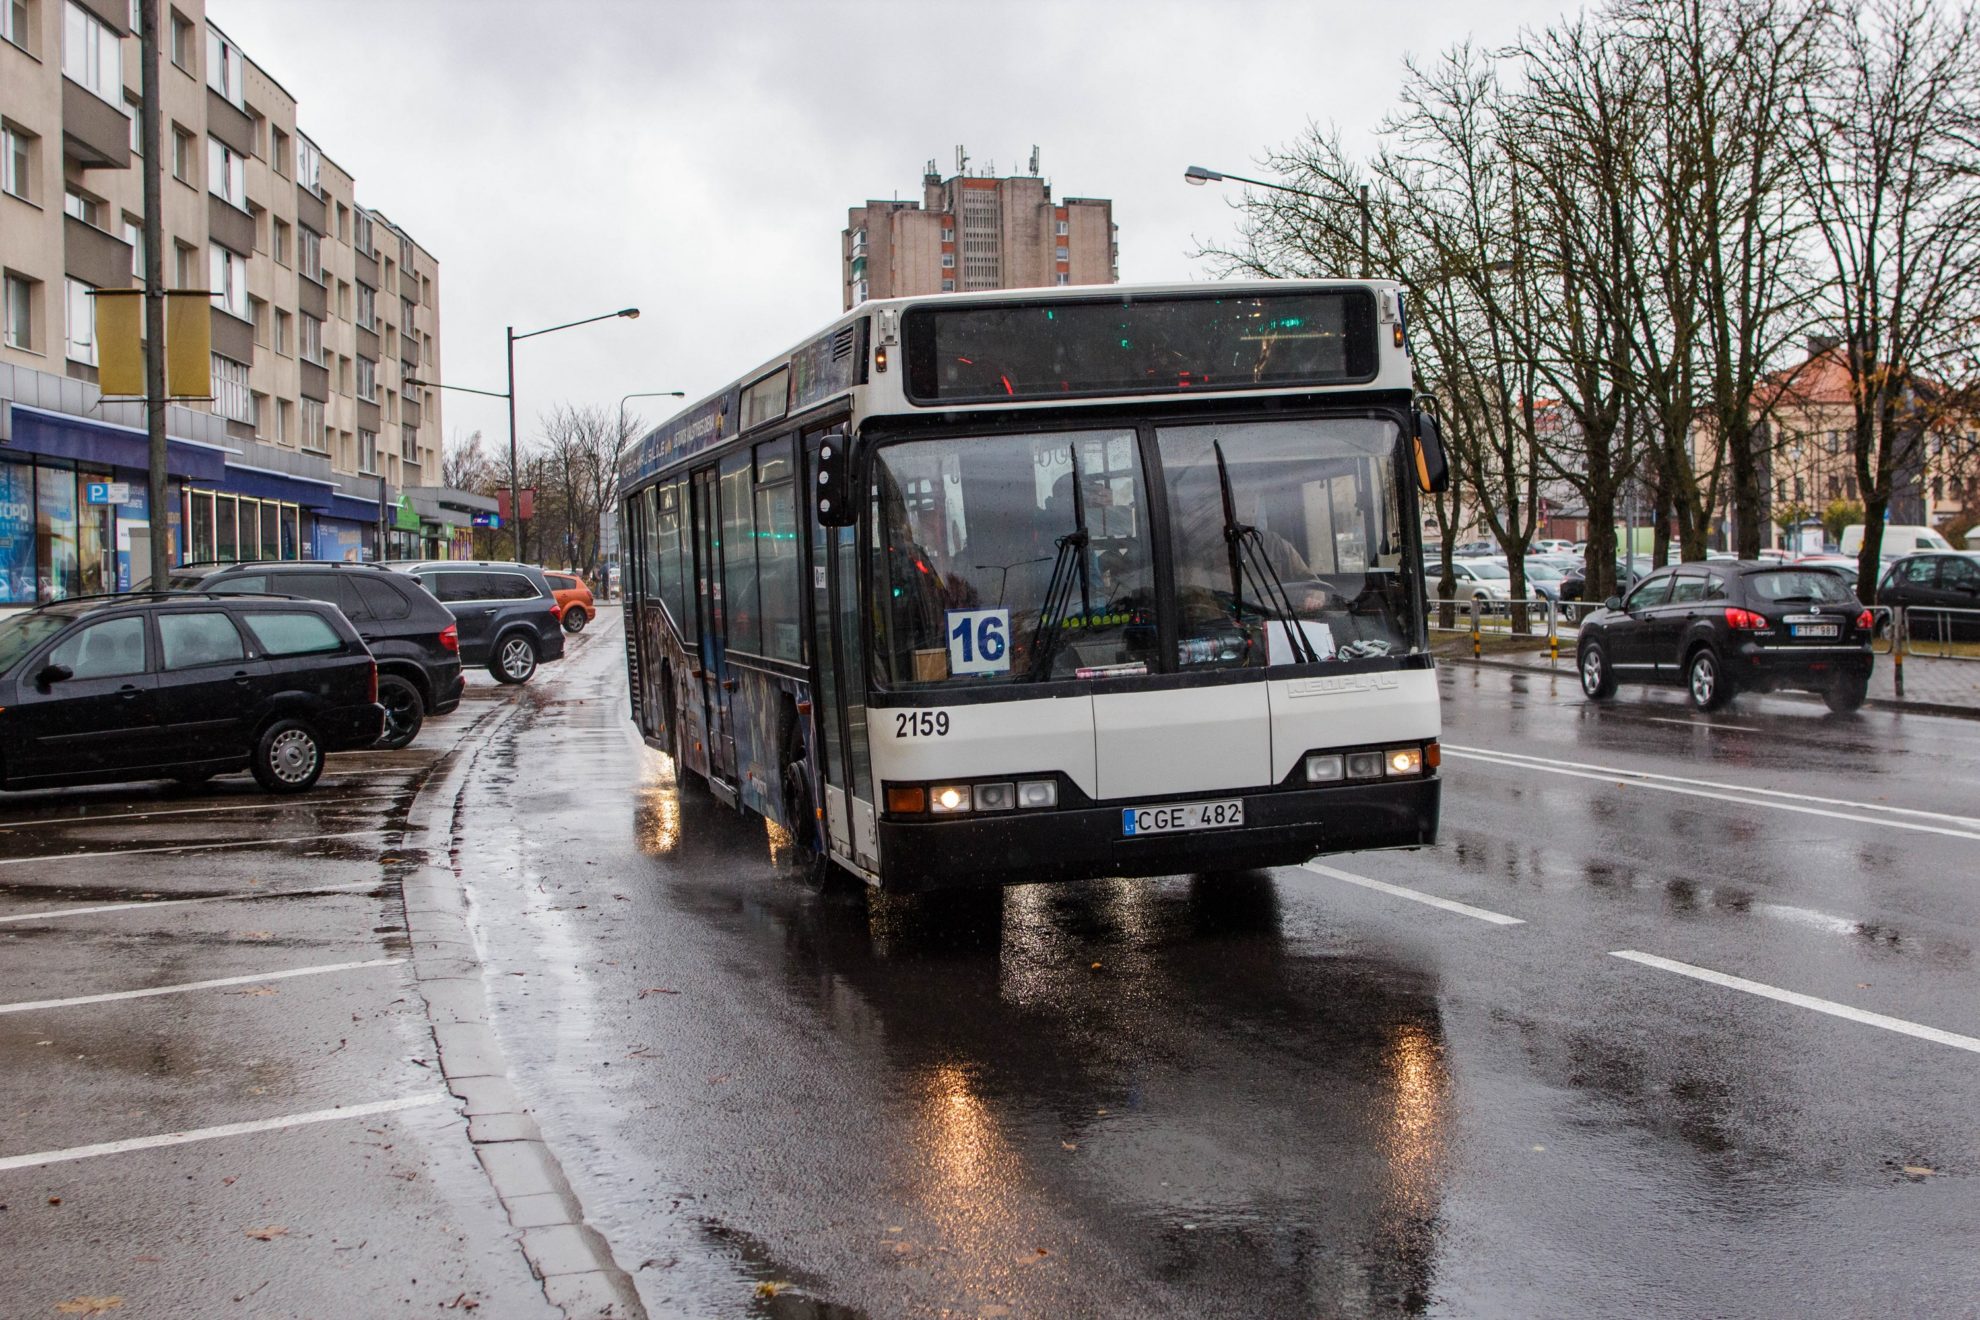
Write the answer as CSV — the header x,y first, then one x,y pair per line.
x,y
1969,822
1696,724
1448,905
264,805
1828,1006
319,970
39,1158
1638,779
187,902
191,847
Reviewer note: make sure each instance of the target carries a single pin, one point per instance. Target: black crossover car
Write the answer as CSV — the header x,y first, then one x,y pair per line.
x,y
411,635
1729,626
508,615
1940,593
181,686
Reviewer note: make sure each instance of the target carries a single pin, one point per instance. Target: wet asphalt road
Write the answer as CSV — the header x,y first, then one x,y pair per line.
x,y
1289,1093
1409,1083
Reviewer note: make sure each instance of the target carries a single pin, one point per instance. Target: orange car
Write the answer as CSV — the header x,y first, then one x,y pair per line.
x,y
573,597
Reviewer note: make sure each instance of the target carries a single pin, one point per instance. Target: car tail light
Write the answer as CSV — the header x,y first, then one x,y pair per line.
x,y
556,610
450,638
1866,621
373,698
1739,618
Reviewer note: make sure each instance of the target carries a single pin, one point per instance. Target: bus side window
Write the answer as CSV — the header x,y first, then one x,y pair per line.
x,y
743,619
777,552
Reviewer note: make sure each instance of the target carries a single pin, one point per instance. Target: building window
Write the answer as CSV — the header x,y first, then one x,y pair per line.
x,y
84,208
92,55
1062,278
185,260
368,453
283,426
182,154
948,233
948,261
19,312
309,164
279,241
409,444
367,380
135,115
309,254
14,22
1062,254
229,280
367,306
281,331
17,162
362,240
223,66
231,398
1063,229
860,294
82,322
312,339
226,173
948,286
258,314
134,235
182,41
314,438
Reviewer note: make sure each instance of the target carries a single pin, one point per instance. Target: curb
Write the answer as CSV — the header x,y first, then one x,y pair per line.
x,y
570,1258
1874,703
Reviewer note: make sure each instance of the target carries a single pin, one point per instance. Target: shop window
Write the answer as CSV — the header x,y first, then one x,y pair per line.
x,y
58,571
17,576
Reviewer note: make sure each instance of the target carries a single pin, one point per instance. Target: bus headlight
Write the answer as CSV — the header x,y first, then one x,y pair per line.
x,y
1038,793
1323,769
1364,765
949,799
996,797
1403,761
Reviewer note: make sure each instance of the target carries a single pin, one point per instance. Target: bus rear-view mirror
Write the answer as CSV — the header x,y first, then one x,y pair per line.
x,y
1433,469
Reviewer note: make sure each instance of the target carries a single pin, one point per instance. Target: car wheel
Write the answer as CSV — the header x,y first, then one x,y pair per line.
x,y
1598,681
288,758
1710,688
404,711
575,618
515,659
1847,695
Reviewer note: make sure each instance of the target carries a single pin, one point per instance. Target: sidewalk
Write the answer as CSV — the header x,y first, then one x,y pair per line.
x,y
1932,685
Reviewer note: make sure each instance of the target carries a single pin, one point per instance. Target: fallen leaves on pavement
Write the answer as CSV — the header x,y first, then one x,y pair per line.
x,y
89,1305
657,990
268,1234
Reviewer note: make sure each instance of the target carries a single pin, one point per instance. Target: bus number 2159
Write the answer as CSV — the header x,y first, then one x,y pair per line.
x,y
921,724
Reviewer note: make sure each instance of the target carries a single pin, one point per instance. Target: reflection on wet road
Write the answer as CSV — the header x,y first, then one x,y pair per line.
x,y
1279,1093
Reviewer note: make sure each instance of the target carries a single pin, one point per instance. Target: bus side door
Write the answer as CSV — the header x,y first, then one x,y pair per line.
x,y
715,675
840,687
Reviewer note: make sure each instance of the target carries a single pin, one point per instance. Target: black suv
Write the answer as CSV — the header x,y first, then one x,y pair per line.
x,y
181,686
508,615
411,635
1728,625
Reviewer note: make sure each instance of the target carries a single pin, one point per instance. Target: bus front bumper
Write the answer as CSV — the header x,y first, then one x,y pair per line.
x,y
1283,827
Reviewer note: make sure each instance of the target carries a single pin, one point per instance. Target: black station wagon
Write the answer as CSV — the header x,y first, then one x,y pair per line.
x,y
1730,626
182,687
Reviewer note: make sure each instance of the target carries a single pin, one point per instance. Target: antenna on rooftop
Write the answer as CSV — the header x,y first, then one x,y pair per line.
x,y
962,159
1034,160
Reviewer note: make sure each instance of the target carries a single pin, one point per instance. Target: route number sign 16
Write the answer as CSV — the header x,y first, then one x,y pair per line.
x,y
979,641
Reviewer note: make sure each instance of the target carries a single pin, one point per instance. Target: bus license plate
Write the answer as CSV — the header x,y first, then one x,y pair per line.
x,y
1815,630
1176,816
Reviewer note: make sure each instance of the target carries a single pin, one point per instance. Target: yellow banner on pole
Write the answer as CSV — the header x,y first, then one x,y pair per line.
x,y
120,341
189,344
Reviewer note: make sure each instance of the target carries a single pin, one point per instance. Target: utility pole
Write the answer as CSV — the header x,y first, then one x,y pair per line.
x,y
154,290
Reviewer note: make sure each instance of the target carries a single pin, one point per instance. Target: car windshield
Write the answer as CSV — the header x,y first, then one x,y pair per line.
x,y
1485,568
1539,570
1799,584
982,575
23,632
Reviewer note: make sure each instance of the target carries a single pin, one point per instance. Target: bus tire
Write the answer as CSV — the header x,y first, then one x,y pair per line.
x,y
800,807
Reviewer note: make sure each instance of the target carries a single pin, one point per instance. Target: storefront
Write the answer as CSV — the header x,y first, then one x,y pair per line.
x,y
347,530
402,538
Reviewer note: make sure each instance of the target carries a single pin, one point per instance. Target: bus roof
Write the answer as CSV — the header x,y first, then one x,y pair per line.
x,y
842,358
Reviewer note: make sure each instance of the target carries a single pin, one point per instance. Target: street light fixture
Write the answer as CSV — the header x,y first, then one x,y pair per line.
x,y
515,472
643,394
1197,176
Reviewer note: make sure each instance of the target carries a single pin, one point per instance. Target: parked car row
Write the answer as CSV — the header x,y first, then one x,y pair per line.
x,y
264,666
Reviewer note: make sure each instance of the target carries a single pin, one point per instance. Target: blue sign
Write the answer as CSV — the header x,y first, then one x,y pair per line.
x,y
487,520
106,492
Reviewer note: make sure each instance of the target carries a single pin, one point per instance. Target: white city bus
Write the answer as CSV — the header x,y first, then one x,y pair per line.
x,y
998,587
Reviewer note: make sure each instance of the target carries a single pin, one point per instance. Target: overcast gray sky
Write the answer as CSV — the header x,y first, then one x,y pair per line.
x,y
567,157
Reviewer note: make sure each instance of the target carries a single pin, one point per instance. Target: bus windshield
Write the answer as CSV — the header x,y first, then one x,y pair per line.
x,y
1320,495
994,563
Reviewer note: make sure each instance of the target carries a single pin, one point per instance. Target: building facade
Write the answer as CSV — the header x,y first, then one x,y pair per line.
x,y
323,311
977,232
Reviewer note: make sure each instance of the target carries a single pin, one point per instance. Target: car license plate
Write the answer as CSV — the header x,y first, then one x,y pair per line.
x,y
1815,630
1173,817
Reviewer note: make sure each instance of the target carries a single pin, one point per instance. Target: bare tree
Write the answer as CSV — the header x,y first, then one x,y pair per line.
x,y
1890,151
464,466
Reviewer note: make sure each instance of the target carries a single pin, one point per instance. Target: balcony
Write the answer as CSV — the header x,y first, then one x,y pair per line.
x,y
94,257
229,123
408,284
409,352
95,134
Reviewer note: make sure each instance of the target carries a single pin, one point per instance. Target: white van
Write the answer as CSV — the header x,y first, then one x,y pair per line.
x,y
1899,539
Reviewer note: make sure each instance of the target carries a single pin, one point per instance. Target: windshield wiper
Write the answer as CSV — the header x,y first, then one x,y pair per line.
x,y
1249,560
1058,592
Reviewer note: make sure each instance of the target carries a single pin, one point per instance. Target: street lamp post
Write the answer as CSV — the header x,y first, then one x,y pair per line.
x,y
515,471
1197,175
619,442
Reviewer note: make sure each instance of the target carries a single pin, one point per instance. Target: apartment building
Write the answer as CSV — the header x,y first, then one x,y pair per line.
x,y
977,232
323,309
